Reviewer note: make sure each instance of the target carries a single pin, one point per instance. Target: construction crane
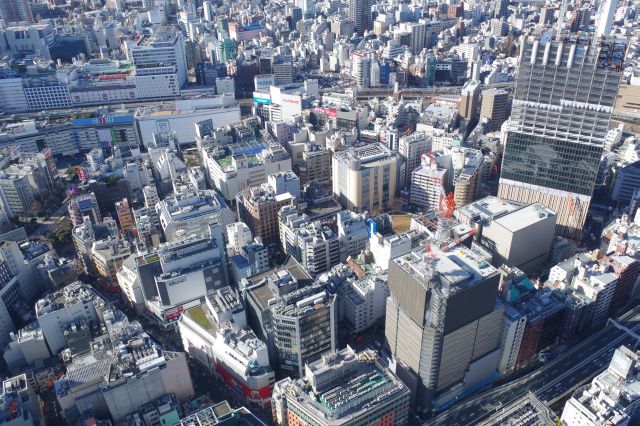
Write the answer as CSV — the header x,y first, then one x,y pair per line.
x,y
447,204
447,207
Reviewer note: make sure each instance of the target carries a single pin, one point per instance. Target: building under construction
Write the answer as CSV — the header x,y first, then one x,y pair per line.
x,y
442,321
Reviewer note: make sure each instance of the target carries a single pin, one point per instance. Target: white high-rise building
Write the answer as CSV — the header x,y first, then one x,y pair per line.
x,y
375,74
604,18
411,148
161,65
238,235
361,69
428,184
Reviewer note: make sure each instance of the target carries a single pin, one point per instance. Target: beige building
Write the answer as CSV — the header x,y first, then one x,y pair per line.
x,y
107,257
495,107
365,178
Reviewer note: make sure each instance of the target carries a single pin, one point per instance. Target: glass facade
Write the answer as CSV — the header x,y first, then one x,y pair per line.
x,y
562,106
551,163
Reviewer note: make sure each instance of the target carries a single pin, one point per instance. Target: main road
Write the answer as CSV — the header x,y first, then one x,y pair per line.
x,y
580,363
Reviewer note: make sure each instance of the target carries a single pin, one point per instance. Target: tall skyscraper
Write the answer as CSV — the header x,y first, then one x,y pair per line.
x,y
360,14
564,98
604,17
361,69
501,9
16,11
442,324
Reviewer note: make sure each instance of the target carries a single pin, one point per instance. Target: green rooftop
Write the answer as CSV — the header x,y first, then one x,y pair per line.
x,y
253,160
225,161
197,314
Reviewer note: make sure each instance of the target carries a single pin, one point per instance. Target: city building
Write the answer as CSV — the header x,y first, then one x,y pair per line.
x,y
316,165
238,235
160,64
627,180
118,385
72,304
35,39
365,178
258,206
443,324
544,314
85,234
363,301
216,335
221,414
342,388
513,325
182,115
252,259
146,231
313,244
191,212
84,205
27,348
386,246
162,411
429,184
514,234
353,232
612,397
181,273
107,256
19,404
554,144
411,149
125,218
304,328
232,170
360,15
469,100
16,11
494,108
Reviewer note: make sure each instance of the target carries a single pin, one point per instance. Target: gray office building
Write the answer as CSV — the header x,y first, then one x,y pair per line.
x,y
443,324
564,98
360,15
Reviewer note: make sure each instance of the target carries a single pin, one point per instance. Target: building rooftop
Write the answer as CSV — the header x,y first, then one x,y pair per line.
x,y
457,268
34,248
76,292
356,157
132,354
265,288
191,204
303,301
510,215
613,395
15,393
222,414
343,384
